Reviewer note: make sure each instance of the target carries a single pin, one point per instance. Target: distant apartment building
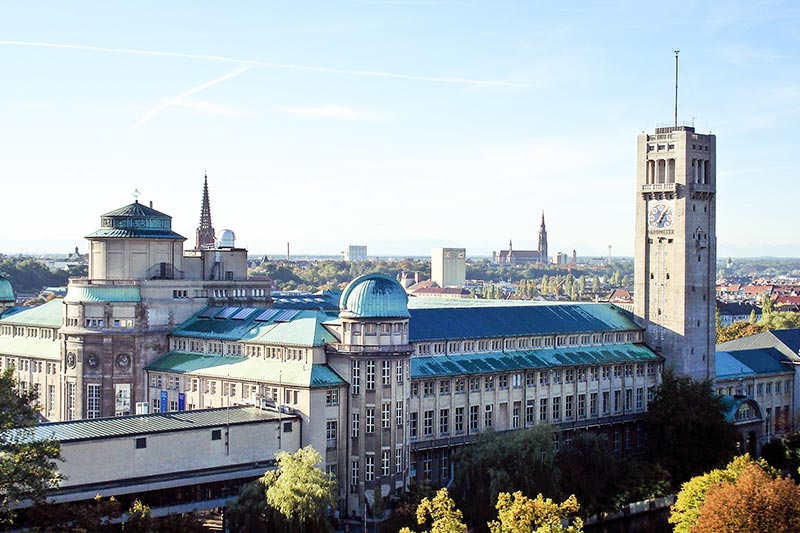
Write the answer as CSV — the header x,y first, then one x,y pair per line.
x,y
448,267
356,252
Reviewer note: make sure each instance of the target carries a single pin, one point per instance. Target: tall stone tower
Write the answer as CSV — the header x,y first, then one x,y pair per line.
x,y
676,248
205,231
543,257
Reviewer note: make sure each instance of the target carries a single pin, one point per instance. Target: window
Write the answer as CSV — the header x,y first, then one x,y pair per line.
x,y
543,409
628,399
70,401
93,401
556,376
332,397
331,471
415,389
544,378
354,476
530,379
427,388
356,420
356,377
412,425
617,401
444,386
216,434
593,404
330,434
556,408
386,373
369,468
370,375
488,416
398,459
444,421
474,384
488,383
140,442
606,372
458,421
569,376
369,420
444,467
427,423
515,416
384,462
581,406
617,371
399,372
605,402
460,385
398,413
473,418
530,412
568,405
386,415
639,398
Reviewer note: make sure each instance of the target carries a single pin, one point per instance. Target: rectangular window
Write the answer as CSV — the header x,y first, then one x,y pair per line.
x,y
399,372
544,378
444,421
515,415
385,462
140,442
617,401
516,380
488,383
386,373
474,384
216,434
605,403
412,425
569,376
370,375
70,401
332,397
639,398
593,404
354,428
398,459
488,416
330,434
556,376
543,409
502,381
581,406
530,412
414,390
427,388
459,420
444,466
530,379
628,400
568,405
93,401
444,386
356,377
369,420
473,418
398,413
556,408
386,415
369,468
427,423
354,475
460,385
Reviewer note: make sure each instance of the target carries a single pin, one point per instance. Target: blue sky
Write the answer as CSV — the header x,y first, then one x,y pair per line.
x,y
399,124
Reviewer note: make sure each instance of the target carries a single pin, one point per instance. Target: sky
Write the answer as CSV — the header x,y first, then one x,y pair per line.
x,y
402,125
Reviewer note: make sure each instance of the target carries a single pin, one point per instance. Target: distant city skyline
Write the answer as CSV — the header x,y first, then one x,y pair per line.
x,y
400,125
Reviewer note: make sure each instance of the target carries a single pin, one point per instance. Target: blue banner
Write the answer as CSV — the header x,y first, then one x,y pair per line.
x,y
181,401
163,401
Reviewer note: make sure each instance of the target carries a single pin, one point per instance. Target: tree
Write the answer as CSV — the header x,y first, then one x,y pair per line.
x,y
517,513
27,465
692,496
300,491
686,430
442,513
250,512
589,470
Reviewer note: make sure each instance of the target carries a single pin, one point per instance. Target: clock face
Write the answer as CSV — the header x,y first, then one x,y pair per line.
x,y
660,216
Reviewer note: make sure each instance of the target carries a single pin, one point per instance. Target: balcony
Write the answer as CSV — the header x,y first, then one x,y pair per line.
x,y
366,349
660,187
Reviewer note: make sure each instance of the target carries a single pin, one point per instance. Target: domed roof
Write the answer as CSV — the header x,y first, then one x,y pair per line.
x,y
135,221
374,296
6,291
226,238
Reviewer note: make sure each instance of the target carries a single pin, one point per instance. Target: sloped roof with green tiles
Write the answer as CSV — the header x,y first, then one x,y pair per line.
x,y
135,425
293,373
501,320
48,314
736,364
269,326
6,290
135,221
467,364
102,294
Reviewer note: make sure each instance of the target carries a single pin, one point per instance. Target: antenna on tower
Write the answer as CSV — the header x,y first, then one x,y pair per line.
x,y
676,87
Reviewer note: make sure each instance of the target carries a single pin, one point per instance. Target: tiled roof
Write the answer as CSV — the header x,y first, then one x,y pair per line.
x,y
465,364
270,326
295,373
503,320
134,233
736,308
749,363
79,293
136,210
134,425
48,314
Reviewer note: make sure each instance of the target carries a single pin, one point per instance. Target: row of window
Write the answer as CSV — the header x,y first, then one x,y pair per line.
x,y
761,389
371,368
473,418
30,332
371,328
369,466
27,365
369,418
524,343
97,323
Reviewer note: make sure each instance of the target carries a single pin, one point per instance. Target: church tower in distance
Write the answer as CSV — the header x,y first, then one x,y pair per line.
x,y
543,257
675,247
205,231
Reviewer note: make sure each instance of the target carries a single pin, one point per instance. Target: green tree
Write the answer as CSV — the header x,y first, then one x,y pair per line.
x,y
686,430
250,512
442,513
517,513
28,466
300,491
752,318
589,470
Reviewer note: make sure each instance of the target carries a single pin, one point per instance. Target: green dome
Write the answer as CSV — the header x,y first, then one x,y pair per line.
x,y
6,291
135,221
374,296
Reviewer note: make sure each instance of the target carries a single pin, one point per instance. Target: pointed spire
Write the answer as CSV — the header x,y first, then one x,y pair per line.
x,y
205,231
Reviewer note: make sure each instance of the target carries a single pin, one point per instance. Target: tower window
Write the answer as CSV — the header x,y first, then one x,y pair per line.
x,y
652,276
698,258
667,275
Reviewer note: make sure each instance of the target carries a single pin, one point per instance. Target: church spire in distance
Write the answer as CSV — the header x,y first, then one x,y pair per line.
x,y
205,231
543,242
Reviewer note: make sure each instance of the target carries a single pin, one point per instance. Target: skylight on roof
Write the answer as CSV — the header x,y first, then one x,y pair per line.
x,y
287,315
266,315
244,313
209,312
227,312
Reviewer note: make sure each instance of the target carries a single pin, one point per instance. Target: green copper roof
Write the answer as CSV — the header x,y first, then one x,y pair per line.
x,y
466,364
83,293
268,326
502,320
135,221
731,404
48,314
6,290
374,296
294,373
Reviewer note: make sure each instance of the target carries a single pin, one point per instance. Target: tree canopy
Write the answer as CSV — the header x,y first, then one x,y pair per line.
x,y
442,513
686,431
517,513
28,466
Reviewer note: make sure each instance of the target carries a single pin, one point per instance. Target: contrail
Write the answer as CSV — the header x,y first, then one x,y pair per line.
x,y
267,64
172,101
